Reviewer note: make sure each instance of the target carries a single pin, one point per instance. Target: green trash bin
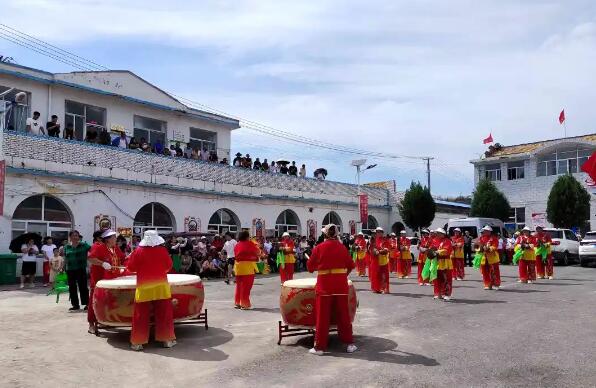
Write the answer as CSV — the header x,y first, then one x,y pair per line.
x,y
8,268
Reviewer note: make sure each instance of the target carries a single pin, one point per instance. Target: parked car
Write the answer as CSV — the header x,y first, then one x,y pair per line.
x,y
587,249
473,225
565,247
414,248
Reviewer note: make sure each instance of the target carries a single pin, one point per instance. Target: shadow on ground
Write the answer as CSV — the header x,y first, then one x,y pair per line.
x,y
194,343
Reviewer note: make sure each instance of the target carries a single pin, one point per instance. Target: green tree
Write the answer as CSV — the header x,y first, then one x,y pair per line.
x,y
418,207
488,201
568,203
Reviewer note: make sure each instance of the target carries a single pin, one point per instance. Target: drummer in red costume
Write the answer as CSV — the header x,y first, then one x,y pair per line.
x,y
286,245
360,248
106,260
332,262
152,263
247,254
404,263
544,266
443,284
423,246
394,254
489,266
378,253
458,254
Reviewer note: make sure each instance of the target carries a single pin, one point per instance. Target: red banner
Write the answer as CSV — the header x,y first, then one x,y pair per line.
x,y
363,208
2,178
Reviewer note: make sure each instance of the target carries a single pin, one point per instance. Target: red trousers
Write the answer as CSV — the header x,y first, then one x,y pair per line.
x,y
361,266
527,270
393,264
458,267
443,284
420,267
544,269
163,316
243,286
549,268
404,267
46,272
539,267
491,275
286,272
325,306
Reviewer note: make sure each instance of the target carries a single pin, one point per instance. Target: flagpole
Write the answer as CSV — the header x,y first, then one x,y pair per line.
x,y
565,129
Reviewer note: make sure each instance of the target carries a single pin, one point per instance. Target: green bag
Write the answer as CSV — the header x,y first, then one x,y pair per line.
x,y
542,251
517,256
434,268
354,256
281,259
478,259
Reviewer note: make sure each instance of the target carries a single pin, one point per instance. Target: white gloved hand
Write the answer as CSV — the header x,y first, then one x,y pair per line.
x,y
107,266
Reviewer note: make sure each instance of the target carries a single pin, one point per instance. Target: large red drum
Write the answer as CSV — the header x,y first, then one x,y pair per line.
x,y
297,302
113,300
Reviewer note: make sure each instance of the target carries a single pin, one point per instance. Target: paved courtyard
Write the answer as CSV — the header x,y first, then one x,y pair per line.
x,y
522,335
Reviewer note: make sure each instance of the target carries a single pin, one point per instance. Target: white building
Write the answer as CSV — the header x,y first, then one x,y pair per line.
x,y
525,173
54,185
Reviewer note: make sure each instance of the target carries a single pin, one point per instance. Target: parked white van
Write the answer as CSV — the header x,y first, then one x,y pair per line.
x,y
474,224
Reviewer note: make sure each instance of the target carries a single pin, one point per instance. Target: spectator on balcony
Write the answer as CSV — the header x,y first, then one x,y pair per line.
x,y
53,127
247,161
213,157
121,141
144,145
69,132
265,165
134,144
158,147
33,125
283,169
91,136
293,170
237,162
274,167
257,164
195,154
104,137
224,161
167,152
205,155
302,172
178,150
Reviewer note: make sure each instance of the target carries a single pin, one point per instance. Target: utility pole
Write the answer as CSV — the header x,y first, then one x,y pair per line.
x,y
428,159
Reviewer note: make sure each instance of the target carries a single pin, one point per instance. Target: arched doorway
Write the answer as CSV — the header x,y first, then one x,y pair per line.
x,y
44,215
222,221
153,216
397,227
370,226
332,218
287,221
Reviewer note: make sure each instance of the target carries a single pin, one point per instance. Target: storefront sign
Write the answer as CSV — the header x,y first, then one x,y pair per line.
x,y
258,226
363,208
352,227
2,179
192,224
103,222
125,232
539,219
312,229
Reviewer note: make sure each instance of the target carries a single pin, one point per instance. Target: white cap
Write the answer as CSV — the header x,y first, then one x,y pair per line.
x,y
402,232
379,229
285,234
527,229
487,228
328,227
457,230
323,230
425,230
360,234
392,234
151,239
108,233
440,230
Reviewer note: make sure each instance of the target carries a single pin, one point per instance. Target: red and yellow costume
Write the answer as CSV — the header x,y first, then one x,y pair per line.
x,y
378,253
360,248
443,284
286,272
394,254
404,262
458,256
153,290
544,269
489,266
425,244
115,257
333,263
247,254
527,270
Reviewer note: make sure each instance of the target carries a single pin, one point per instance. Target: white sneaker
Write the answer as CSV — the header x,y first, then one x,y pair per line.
x,y
530,281
447,298
22,286
436,297
407,277
486,288
520,281
316,352
31,285
170,344
136,348
420,284
550,278
351,348
496,288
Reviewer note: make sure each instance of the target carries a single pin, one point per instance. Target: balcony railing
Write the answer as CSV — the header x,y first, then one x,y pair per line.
x,y
80,158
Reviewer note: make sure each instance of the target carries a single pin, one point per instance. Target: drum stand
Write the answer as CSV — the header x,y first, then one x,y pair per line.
x,y
201,318
284,330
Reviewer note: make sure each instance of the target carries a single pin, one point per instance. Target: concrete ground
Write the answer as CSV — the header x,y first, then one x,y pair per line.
x,y
523,335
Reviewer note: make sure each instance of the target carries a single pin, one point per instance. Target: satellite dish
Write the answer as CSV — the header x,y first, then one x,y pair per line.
x,y
21,98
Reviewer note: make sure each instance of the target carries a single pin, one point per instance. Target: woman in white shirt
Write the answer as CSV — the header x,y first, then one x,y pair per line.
x,y
29,267
48,253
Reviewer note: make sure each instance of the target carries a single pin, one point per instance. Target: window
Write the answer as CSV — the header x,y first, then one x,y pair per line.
x,y
200,138
150,129
16,116
223,221
287,221
562,162
518,215
555,233
332,218
44,215
370,225
493,172
153,216
87,120
515,170
569,235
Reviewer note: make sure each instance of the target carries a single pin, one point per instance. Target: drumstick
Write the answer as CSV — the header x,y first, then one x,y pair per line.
x,y
307,256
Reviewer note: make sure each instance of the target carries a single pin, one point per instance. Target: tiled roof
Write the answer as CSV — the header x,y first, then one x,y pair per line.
x,y
531,147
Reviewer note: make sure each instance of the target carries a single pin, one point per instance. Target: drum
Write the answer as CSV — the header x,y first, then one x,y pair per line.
x,y
113,300
297,302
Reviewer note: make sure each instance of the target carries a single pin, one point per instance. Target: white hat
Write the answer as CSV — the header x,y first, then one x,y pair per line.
x,y
285,234
403,232
425,230
487,228
457,230
108,233
392,234
440,230
323,230
360,234
151,239
527,229
379,229
328,227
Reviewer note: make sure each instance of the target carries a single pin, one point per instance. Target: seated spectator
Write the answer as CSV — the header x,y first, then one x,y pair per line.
x,y
237,162
104,137
134,144
213,157
224,161
33,125
247,162
69,132
265,166
53,127
293,170
121,141
144,146
257,164
158,147
302,173
187,264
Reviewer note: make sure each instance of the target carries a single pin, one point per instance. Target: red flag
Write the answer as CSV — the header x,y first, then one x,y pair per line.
x,y
562,117
589,167
489,139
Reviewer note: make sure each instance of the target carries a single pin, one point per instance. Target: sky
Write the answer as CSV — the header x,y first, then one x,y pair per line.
x,y
416,78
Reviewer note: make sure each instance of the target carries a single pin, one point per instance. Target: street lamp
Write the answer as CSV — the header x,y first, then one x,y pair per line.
x,y
359,163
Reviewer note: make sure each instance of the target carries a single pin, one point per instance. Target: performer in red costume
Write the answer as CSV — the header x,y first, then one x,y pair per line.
x,y
106,261
152,262
489,266
333,263
379,262
544,266
458,254
527,270
404,263
247,254
394,253
423,246
286,245
443,284
360,248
